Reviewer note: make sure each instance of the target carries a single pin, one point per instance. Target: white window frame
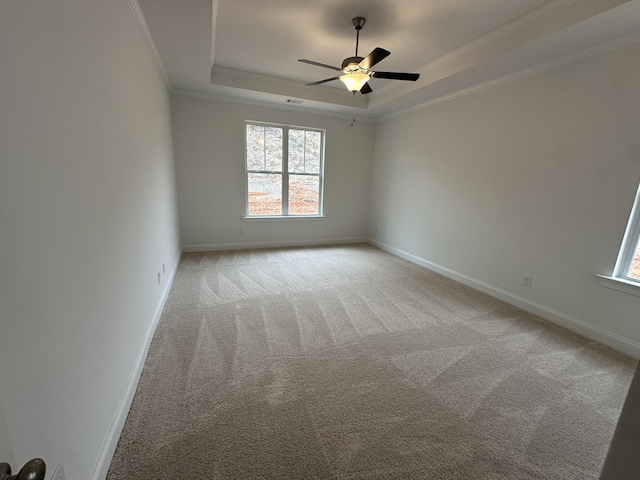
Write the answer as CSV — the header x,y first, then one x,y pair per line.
x,y
285,174
619,280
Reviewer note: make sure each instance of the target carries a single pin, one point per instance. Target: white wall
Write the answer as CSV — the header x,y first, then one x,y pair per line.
x,y
6,452
87,213
209,150
534,177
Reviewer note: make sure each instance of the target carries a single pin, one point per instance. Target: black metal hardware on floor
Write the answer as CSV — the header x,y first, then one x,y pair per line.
x,y
32,470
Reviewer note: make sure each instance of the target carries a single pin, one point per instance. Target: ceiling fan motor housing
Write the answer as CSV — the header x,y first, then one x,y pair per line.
x,y
350,64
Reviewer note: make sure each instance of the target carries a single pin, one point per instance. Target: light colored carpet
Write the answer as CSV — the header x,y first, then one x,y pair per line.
x,y
349,363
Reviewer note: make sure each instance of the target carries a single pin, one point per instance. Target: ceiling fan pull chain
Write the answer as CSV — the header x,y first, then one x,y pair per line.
x,y
354,105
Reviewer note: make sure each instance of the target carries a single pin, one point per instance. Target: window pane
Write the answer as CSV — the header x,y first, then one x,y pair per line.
x,y
255,147
273,146
304,193
634,269
269,171
312,152
296,151
265,193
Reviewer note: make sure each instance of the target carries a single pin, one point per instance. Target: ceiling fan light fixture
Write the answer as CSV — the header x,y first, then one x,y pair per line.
x,y
357,70
355,81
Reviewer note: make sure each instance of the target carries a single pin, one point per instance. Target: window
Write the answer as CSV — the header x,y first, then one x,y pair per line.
x,y
626,274
284,167
628,264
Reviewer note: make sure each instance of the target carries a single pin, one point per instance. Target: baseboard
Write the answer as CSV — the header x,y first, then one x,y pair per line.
x,y
101,467
583,328
212,247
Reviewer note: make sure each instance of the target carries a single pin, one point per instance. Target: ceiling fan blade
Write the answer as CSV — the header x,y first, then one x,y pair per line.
x,y
366,88
317,64
374,57
412,77
323,81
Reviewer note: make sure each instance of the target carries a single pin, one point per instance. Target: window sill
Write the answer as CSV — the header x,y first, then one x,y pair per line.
x,y
620,284
287,218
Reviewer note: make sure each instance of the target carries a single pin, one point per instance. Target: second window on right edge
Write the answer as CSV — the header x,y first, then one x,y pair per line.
x,y
628,263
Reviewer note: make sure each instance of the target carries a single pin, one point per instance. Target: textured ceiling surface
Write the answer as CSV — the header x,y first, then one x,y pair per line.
x,y
249,49
268,37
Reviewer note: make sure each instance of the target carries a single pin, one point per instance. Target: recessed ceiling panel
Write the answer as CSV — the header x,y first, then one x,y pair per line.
x,y
249,49
269,37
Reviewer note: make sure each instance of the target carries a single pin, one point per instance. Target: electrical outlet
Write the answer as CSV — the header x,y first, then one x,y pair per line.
x,y
58,473
527,280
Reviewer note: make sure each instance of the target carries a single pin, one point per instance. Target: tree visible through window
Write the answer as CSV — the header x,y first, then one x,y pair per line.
x,y
634,268
284,170
628,264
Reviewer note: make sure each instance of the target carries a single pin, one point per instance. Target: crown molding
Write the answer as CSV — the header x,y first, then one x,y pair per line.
x,y
519,23
138,16
547,19
267,104
229,77
511,77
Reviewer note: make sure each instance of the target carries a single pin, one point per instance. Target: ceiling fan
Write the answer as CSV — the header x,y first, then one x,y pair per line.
x,y
356,70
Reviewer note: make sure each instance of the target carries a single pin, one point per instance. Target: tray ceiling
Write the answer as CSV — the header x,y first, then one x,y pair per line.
x,y
249,49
